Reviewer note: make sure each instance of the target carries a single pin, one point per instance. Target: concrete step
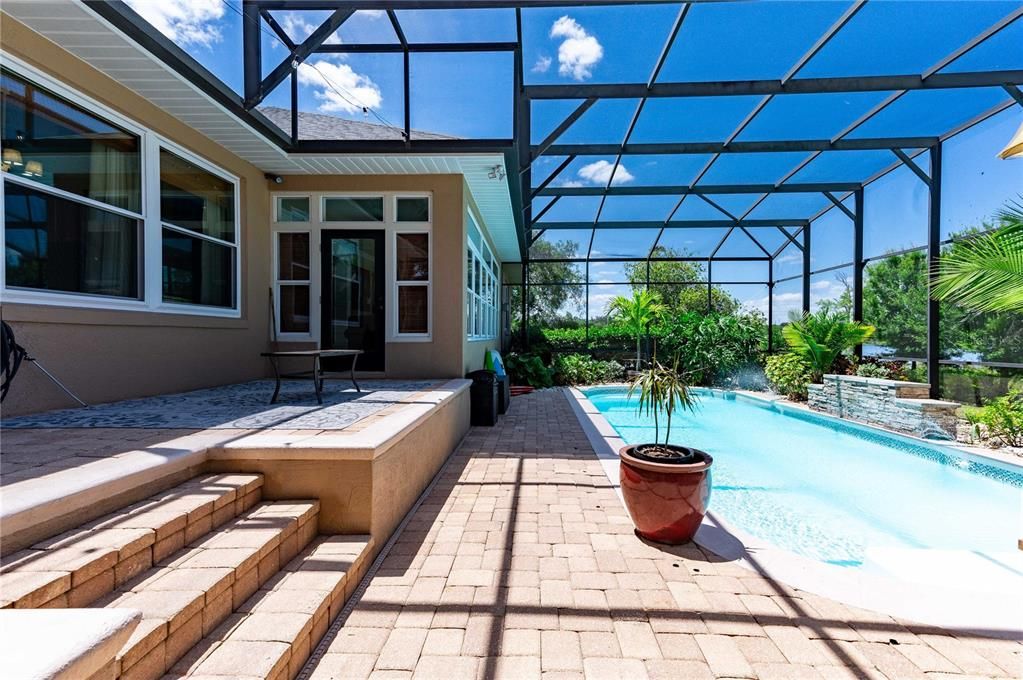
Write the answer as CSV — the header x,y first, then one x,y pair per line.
x,y
274,631
190,593
75,568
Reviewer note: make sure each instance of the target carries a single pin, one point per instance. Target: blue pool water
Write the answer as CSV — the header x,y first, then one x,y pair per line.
x,y
829,490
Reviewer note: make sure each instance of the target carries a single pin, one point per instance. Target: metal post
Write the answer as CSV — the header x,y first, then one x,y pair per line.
x,y
933,257
252,57
586,292
770,305
857,302
806,269
710,286
525,304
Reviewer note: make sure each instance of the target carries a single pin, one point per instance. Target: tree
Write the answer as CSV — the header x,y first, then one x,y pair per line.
x,y
679,299
895,301
985,272
550,304
637,314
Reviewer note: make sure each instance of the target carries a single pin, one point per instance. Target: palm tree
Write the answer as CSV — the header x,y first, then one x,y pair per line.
x,y
820,338
662,389
638,312
985,273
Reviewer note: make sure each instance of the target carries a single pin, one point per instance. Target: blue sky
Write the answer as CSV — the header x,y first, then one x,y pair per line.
x,y
471,96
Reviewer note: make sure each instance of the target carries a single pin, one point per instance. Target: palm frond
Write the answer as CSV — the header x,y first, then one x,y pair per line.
x,y
985,273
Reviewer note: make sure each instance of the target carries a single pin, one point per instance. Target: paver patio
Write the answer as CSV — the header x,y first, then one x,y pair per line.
x,y
522,563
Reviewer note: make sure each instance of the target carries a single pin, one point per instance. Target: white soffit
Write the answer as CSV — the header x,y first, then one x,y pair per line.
x,y
74,27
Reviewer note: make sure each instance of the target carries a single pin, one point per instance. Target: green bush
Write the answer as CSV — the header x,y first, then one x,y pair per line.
x,y
789,375
712,348
875,368
1002,418
528,369
579,369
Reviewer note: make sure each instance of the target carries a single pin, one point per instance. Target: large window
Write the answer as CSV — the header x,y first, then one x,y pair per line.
x,y
72,196
482,287
80,228
197,213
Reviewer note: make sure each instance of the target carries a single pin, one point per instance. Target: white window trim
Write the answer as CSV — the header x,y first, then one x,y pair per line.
x,y
411,228
317,225
489,299
294,228
150,279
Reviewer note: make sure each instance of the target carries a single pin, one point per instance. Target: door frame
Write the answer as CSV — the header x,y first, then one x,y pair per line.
x,y
367,362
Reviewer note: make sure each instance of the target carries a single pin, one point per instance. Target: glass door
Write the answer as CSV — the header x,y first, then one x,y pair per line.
x,y
353,297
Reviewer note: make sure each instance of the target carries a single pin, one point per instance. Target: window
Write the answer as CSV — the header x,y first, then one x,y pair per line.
x,y
292,208
199,250
81,227
412,283
412,209
72,196
482,288
353,209
293,282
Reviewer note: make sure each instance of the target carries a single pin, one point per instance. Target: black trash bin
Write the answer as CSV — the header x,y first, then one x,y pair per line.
x,y
503,393
483,398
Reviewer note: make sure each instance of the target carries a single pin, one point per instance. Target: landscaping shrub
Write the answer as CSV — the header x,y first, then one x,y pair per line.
x,y
579,369
821,338
713,348
789,375
887,370
528,369
1002,418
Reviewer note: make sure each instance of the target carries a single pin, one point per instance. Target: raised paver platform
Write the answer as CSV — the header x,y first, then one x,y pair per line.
x,y
522,563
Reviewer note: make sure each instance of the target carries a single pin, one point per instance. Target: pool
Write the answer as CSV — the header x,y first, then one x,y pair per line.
x,y
830,490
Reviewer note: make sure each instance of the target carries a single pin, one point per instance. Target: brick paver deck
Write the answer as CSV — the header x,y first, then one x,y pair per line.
x,y
522,563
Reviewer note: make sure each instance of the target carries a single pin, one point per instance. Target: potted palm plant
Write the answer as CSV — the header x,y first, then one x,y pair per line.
x,y
638,313
666,487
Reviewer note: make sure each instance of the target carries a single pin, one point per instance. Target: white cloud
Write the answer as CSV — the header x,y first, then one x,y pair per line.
x,y
571,183
186,22
296,26
579,52
542,65
356,90
372,13
599,172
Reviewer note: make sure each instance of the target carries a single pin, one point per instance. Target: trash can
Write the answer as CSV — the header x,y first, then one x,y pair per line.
x,y
483,398
503,393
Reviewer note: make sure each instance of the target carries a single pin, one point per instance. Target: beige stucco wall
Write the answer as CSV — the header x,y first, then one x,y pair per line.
x,y
105,355
108,355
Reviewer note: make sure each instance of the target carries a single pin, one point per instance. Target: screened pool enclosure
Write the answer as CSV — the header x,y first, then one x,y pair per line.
x,y
768,156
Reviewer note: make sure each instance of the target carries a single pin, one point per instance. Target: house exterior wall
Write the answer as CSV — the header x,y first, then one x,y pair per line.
x,y
442,355
105,355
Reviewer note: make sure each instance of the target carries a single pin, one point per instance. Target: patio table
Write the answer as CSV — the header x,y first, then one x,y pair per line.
x,y
317,372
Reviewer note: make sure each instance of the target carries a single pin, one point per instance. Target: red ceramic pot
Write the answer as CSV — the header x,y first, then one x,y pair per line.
x,y
667,501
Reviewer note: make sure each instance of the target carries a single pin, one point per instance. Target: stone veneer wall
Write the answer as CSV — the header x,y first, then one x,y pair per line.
x,y
897,405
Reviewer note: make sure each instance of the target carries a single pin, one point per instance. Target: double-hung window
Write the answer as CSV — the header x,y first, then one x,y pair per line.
x,y
99,212
412,267
482,288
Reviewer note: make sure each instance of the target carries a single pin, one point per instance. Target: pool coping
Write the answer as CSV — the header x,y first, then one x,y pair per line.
x,y
986,613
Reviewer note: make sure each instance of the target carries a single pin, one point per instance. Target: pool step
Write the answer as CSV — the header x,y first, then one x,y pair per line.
x,y
191,592
75,568
276,629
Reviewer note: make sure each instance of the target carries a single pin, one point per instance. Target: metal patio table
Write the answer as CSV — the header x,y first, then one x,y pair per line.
x,y
317,372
